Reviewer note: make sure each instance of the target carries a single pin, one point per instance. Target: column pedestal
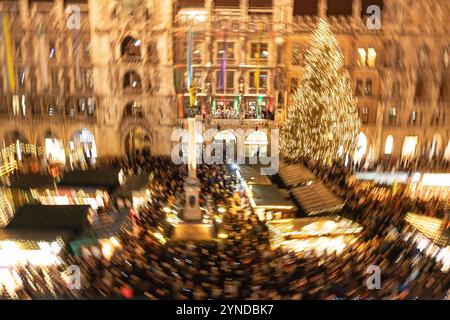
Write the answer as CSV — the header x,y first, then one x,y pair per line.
x,y
192,210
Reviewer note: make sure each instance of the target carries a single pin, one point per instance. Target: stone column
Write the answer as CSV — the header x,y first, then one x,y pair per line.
x,y
192,210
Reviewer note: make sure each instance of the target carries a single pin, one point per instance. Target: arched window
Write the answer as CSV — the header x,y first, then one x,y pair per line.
x,y
131,80
133,110
389,145
54,148
82,148
409,150
130,47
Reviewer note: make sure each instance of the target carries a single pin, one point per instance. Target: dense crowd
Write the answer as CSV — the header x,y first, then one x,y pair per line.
x,y
243,266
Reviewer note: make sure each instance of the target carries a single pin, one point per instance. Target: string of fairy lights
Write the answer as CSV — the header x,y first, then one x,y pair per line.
x,y
322,121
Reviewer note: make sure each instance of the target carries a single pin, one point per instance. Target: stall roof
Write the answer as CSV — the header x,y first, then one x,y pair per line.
x,y
31,181
72,218
270,196
434,229
104,177
34,234
315,198
293,175
252,175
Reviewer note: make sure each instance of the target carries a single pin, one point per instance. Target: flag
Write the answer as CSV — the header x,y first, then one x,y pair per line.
x,y
192,95
223,65
180,106
43,57
189,57
4,28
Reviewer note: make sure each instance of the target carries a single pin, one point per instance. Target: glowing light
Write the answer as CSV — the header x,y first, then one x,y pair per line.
x,y
409,146
223,236
389,145
436,179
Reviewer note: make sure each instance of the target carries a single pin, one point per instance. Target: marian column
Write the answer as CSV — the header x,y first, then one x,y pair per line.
x,y
192,210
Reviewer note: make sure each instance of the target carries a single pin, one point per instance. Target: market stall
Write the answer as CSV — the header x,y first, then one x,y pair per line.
x,y
315,198
315,234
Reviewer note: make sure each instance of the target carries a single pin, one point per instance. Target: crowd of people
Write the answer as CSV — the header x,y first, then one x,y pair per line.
x,y
243,265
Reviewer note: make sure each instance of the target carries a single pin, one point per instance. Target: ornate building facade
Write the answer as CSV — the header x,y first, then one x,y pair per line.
x,y
116,82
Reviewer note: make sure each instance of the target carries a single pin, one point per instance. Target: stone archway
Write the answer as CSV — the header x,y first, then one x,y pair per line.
x,y
137,141
82,148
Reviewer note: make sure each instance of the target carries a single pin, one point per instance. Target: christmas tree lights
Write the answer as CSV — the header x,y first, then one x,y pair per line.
x,y
322,122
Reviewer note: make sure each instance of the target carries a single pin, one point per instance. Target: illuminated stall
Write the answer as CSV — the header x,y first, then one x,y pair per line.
x,y
315,234
431,235
431,185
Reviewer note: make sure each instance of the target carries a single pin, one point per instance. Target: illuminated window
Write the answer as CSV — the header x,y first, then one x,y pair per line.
x,y
389,145
361,147
413,119
54,150
371,57
15,104
409,147
23,104
367,57
362,56
262,53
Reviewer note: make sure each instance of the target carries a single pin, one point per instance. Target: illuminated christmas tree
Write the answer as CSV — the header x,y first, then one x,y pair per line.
x,y
322,122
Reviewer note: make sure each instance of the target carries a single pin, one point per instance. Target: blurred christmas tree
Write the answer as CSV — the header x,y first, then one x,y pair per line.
x,y
322,122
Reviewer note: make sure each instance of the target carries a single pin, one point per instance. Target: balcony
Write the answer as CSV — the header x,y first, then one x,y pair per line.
x,y
259,24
